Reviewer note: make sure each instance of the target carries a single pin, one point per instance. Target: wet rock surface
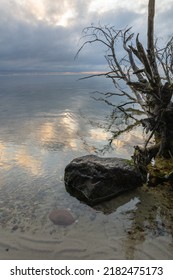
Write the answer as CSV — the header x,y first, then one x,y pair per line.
x,y
94,179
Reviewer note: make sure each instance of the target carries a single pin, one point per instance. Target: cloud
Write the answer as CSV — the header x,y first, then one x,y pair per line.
x,y
43,35
40,43
163,21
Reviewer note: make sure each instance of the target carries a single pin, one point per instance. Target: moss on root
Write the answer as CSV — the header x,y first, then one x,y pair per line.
x,y
161,172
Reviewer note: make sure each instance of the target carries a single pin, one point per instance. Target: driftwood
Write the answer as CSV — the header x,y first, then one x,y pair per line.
x,y
147,75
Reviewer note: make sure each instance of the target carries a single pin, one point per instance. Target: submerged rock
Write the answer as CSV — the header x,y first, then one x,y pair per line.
x,y
94,179
61,217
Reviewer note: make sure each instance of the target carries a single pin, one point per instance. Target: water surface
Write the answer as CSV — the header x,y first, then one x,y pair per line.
x,y
46,121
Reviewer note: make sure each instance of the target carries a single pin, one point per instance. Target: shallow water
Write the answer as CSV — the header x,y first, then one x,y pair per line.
x,y
46,121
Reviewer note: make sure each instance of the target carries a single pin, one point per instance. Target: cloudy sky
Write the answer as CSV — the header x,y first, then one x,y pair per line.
x,y
43,35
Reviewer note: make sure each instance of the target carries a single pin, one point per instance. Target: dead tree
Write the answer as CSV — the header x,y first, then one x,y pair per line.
x,y
147,74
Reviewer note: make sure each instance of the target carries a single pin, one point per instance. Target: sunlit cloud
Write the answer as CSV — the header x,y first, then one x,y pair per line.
x,y
58,13
34,8
64,19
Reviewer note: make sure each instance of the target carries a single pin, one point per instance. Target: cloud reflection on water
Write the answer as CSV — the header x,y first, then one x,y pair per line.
x,y
61,133
28,162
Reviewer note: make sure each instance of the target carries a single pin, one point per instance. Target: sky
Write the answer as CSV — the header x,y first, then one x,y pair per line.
x,y
44,35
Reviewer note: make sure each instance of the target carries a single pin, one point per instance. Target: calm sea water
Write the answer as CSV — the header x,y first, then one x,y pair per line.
x,y
45,122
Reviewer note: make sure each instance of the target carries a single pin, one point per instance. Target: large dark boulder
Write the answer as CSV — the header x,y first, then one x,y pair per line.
x,y
94,179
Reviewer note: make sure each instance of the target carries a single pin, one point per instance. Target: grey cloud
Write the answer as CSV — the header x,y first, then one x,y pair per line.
x,y
40,42
24,39
163,22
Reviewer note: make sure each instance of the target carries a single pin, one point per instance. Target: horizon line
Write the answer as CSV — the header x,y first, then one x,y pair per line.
x,y
40,73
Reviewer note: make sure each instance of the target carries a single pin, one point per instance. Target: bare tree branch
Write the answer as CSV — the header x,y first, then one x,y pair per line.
x,y
141,76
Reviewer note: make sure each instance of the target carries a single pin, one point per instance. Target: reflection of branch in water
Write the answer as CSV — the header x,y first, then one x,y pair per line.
x,y
117,108
116,134
122,118
86,146
126,111
116,123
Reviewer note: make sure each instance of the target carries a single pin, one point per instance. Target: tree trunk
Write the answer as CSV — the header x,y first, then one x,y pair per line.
x,y
159,103
151,13
165,133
